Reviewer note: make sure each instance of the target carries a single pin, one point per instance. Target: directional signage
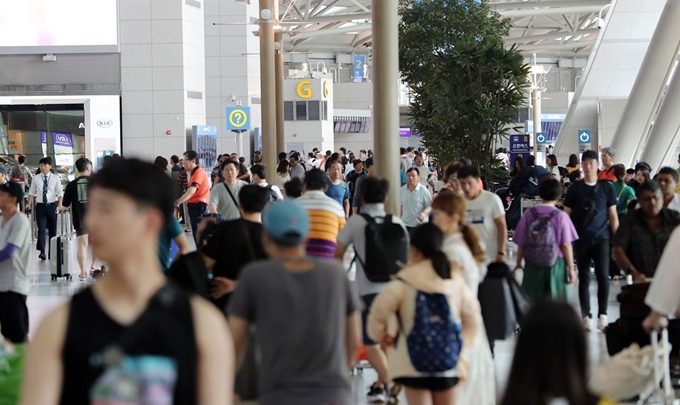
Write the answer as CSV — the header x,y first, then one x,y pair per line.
x,y
519,147
541,141
358,68
584,140
238,118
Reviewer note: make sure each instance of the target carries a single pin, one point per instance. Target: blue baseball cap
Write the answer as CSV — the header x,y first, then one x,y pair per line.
x,y
286,222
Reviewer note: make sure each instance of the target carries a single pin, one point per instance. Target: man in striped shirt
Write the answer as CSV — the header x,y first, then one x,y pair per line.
x,y
327,216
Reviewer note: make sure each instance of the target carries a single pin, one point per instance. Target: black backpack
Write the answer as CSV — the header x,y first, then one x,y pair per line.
x,y
272,194
386,247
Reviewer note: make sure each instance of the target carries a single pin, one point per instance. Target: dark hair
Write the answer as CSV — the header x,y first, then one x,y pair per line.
x,y
82,164
316,179
409,149
229,161
45,161
362,151
554,160
191,155
175,159
402,150
644,172
573,160
344,150
334,158
669,170
283,156
282,168
520,160
329,152
310,154
465,161
374,190
293,188
619,172
453,204
551,358
550,190
356,162
468,171
630,171
295,156
451,170
241,159
413,169
315,150
368,163
22,159
161,162
259,171
649,185
106,160
531,160
141,181
643,166
428,240
253,198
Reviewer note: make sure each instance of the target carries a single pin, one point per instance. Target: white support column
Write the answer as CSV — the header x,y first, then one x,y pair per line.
x,y
645,95
386,97
664,133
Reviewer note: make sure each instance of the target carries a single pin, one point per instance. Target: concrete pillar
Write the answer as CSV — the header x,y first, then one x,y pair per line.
x,y
386,96
536,110
644,97
268,88
663,139
280,126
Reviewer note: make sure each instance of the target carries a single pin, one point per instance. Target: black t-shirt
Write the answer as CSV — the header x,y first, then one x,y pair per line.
x,y
597,227
229,247
75,196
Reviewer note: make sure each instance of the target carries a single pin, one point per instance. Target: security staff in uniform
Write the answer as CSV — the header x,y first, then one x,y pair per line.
x,y
47,191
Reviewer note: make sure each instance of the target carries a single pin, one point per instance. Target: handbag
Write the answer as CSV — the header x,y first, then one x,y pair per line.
x,y
503,302
11,371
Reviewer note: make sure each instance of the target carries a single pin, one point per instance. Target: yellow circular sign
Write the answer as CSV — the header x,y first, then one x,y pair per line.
x,y
326,89
238,118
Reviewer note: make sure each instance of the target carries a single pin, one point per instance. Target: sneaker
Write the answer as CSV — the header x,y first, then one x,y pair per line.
x,y
587,324
602,322
395,390
377,395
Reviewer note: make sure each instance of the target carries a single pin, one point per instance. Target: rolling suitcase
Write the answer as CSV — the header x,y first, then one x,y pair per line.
x,y
63,250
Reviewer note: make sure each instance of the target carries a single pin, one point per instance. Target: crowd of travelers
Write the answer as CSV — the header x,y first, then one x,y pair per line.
x,y
290,281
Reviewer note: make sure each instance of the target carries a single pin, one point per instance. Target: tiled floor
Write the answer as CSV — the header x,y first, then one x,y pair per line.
x,y
46,295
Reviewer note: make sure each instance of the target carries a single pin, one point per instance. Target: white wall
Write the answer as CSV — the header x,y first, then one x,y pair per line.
x,y
230,73
611,111
162,64
354,96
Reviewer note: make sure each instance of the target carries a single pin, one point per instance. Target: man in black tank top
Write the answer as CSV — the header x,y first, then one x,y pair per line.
x,y
132,337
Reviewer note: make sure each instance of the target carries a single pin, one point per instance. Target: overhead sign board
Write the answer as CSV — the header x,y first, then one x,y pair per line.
x,y
238,118
519,147
358,63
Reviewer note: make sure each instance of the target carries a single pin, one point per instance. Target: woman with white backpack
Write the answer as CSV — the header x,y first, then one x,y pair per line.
x,y
430,317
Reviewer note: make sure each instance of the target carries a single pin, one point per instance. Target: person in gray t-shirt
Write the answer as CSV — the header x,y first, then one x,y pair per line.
x,y
306,313
15,251
221,202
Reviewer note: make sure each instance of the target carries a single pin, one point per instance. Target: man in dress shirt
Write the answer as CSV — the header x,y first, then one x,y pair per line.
x,y
47,192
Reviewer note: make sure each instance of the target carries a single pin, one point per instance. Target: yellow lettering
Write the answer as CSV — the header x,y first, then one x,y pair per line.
x,y
326,89
303,89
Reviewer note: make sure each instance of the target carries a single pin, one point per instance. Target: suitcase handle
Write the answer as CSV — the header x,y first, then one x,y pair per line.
x,y
665,367
65,218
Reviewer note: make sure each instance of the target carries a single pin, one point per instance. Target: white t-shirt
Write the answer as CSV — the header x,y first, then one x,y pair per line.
x,y
503,158
555,171
481,214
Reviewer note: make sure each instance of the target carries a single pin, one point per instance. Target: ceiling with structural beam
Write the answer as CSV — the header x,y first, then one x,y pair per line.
x,y
549,28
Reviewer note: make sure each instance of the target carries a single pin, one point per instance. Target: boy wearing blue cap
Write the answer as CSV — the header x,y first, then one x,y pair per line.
x,y
306,312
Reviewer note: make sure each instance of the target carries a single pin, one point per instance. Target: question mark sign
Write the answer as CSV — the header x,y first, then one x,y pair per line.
x,y
238,118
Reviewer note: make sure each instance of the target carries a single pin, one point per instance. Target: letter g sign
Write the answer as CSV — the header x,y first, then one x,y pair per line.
x,y
304,90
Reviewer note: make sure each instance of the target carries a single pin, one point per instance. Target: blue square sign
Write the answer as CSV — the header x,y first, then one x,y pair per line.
x,y
238,118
